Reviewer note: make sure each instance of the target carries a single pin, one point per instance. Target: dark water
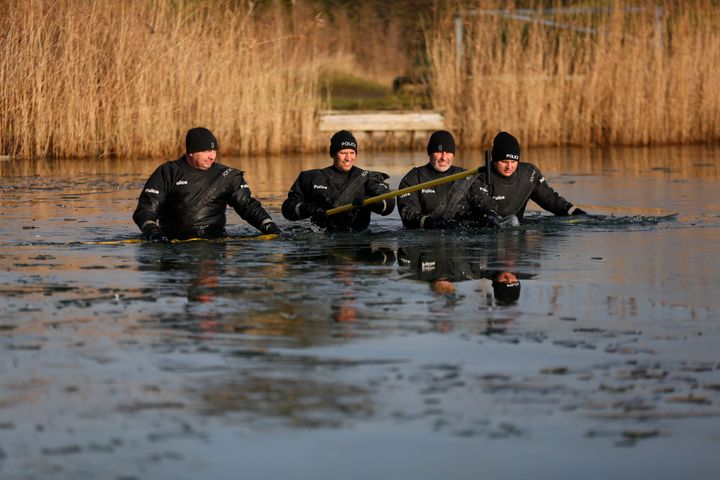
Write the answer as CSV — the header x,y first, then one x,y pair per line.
x,y
379,355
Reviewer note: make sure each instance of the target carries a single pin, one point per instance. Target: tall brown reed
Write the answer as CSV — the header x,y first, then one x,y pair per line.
x,y
129,78
641,78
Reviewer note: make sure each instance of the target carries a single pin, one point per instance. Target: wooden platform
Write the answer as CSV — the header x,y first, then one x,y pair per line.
x,y
381,121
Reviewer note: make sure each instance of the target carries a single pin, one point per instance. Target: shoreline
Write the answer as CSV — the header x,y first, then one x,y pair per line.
x,y
385,143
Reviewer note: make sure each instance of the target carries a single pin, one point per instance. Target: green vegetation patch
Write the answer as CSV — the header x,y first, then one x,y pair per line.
x,y
344,91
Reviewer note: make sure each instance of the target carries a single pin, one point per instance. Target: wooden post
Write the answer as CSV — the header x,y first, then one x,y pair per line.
x,y
659,26
458,41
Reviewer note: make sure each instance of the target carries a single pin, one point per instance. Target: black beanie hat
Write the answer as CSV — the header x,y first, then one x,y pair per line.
x,y
505,147
506,292
342,140
199,140
441,141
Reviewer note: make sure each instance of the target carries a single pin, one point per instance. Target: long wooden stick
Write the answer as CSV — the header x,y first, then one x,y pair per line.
x,y
402,191
267,236
488,162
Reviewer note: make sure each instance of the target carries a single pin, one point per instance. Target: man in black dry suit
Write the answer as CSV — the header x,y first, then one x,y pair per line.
x,y
445,205
187,197
342,183
512,183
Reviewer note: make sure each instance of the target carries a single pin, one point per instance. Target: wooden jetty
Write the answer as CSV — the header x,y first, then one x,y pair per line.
x,y
386,128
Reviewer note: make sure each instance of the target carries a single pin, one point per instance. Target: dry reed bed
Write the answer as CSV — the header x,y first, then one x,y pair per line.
x,y
641,79
129,78
105,78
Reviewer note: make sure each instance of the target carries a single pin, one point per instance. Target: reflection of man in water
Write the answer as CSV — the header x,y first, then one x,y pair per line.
x,y
443,286
187,197
512,183
344,312
195,271
343,306
342,183
442,206
347,264
445,263
506,288
440,263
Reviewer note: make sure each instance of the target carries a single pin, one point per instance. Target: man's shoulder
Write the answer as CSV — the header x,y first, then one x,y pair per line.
x,y
482,172
168,169
414,173
176,164
379,176
306,178
528,167
225,170
375,174
370,174
216,167
179,167
313,172
530,172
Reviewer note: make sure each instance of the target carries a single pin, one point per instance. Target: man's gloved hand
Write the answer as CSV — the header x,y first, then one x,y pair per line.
x,y
450,224
319,217
493,220
158,237
358,201
153,232
578,211
270,227
307,209
435,223
430,223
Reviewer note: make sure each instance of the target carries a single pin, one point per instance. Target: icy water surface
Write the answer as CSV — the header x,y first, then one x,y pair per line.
x,y
379,355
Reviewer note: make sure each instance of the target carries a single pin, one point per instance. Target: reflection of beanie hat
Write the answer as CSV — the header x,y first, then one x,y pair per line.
x,y
441,141
342,140
200,140
505,147
506,292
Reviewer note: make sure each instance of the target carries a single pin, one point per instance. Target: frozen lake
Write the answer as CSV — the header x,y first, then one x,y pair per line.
x,y
378,355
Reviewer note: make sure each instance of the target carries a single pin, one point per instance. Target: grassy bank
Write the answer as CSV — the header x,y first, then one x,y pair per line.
x,y
623,76
342,91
